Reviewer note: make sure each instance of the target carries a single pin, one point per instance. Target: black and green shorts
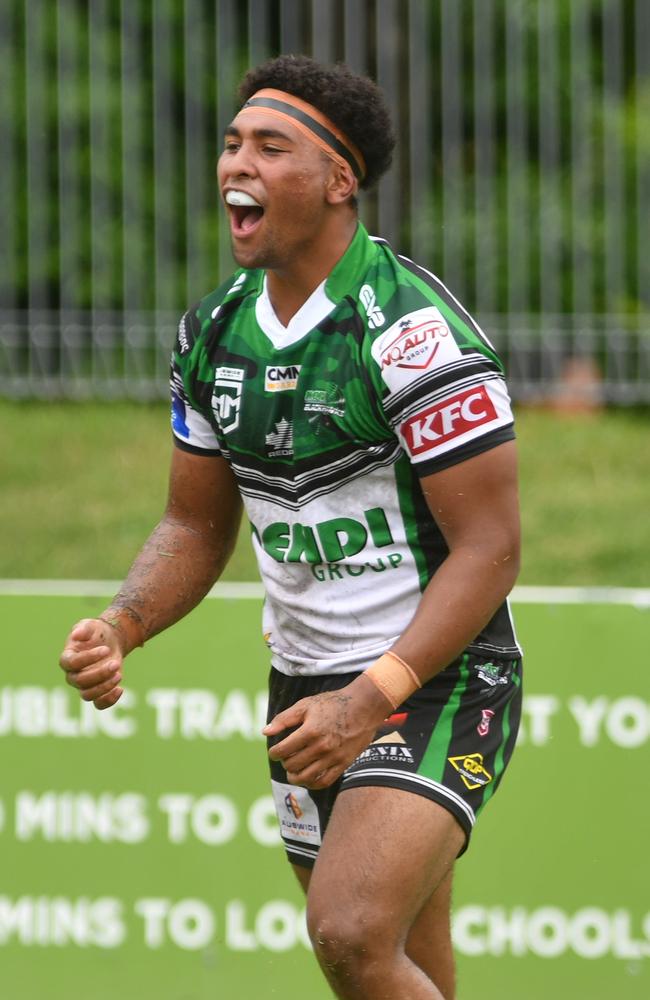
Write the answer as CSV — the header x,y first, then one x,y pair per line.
x,y
450,741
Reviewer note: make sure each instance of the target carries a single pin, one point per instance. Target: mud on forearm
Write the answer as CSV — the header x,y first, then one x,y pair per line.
x,y
173,571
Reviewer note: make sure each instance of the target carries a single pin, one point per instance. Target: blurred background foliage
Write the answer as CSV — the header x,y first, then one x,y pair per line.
x,y
530,117
521,176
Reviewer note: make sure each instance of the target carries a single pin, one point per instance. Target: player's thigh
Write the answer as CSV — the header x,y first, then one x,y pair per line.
x,y
385,853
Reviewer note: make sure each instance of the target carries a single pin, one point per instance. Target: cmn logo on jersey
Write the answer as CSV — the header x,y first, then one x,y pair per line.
x,y
281,379
459,414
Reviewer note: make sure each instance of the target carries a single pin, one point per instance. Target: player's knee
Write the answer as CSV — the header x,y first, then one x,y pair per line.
x,y
347,943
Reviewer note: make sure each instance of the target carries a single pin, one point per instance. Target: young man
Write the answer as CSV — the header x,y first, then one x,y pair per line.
x,y
361,415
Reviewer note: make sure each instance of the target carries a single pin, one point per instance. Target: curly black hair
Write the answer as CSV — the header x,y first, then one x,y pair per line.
x,y
354,103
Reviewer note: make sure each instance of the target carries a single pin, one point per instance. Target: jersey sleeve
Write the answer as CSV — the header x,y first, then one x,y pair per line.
x,y
191,430
445,402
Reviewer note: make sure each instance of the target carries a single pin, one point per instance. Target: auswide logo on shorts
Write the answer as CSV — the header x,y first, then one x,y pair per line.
x,y
297,813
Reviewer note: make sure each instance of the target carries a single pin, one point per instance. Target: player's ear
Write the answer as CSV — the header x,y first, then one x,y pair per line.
x,y
341,184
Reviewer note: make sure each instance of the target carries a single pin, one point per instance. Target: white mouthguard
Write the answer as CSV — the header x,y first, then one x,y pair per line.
x,y
241,198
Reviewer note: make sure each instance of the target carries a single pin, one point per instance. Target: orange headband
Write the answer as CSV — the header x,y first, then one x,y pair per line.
x,y
312,123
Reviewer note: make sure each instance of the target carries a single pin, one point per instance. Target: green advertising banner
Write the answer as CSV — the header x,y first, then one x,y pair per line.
x,y
141,854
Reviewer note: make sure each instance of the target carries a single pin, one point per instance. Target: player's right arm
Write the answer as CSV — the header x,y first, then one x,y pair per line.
x,y
176,567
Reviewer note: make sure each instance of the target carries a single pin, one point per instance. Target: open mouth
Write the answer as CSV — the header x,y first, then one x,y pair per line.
x,y
245,212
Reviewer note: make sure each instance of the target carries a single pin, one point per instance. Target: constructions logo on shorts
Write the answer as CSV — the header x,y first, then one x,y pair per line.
x,y
470,767
384,755
389,748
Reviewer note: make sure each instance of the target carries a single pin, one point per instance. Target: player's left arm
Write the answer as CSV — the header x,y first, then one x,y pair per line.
x,y
475,505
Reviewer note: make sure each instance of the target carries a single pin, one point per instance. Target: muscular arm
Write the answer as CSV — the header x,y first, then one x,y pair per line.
x,y
186,552
175,568
475,505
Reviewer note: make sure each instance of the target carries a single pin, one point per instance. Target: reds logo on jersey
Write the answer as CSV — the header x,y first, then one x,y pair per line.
x,y
448,419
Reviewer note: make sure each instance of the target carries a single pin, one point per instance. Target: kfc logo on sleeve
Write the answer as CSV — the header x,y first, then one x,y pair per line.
x,y
448,419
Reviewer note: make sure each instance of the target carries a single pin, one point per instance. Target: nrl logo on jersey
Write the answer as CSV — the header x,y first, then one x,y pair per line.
x,y
368,300
416,341
280,441
226,396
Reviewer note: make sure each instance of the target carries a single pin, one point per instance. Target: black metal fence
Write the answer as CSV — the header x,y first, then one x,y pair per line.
x,y
522,174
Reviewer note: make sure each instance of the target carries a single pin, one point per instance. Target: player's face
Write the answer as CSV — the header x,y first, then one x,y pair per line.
x,y
273,181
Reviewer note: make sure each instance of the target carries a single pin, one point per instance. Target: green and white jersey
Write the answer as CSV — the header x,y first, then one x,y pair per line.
x,y
328,425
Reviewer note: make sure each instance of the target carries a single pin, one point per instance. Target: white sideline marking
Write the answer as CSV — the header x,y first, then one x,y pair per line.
x,y
634,596
108,588
637,597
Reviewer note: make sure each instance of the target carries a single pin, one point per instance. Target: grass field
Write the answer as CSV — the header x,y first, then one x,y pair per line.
x,y
84,483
